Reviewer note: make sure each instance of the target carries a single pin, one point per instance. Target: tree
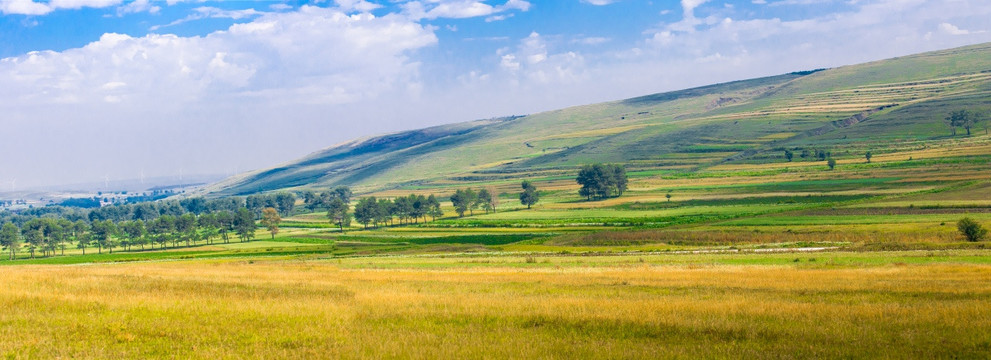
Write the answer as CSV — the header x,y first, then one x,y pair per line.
x,y
599,181
134,231
668,195
529,195
33,234
103,233
162,229
366,211
868,156
285,202
271,220
186,228
971,229
10,238
209,225
433,207
244,224
461,200
225,224
789,155
485,200
961,118
384,211
337,212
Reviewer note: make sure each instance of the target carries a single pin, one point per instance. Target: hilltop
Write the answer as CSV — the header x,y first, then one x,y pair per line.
x,y
852,108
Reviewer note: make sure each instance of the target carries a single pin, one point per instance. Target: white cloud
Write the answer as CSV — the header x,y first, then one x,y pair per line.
x,y
954,30
357,55
207,12
460,9
79,4
138,6
356,5
29,7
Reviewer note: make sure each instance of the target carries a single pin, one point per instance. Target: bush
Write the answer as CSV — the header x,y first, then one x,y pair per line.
x,y
972,229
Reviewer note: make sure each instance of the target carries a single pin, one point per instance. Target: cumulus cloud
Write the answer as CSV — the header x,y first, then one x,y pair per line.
x,y
348,56
29,7
297,68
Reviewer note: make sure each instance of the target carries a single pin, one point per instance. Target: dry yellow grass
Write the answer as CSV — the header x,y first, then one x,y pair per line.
x,y
628,310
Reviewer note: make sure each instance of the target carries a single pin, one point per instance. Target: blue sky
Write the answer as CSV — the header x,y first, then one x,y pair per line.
x,y
96,88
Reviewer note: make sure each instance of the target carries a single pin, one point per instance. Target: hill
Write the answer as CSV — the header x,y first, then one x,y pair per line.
x,y
887,106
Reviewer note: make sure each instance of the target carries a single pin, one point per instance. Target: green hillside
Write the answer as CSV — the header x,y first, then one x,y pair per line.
x,y
885,106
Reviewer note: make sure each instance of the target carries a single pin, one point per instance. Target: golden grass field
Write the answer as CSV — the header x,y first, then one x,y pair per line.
x,y
643,306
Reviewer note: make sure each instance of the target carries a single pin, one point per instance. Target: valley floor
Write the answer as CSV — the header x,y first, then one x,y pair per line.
x,y
908,304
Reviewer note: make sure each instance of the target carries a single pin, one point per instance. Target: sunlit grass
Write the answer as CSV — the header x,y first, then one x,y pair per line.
x,y
912,305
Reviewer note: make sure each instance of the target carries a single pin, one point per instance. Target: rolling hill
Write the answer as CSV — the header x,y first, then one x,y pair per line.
x,y
888,107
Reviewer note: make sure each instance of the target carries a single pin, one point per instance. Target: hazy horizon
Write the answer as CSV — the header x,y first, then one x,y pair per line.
x,y
99,89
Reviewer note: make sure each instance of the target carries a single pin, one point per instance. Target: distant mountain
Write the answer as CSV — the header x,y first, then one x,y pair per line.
x,y
850,107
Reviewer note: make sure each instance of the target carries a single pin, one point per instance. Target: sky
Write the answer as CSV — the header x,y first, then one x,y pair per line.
x,y
97,89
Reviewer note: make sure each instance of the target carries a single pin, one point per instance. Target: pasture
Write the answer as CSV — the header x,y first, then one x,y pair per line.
x,y
901,305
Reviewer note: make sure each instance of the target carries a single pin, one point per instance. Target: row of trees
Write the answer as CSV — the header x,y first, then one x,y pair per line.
x,y
407,209
49,235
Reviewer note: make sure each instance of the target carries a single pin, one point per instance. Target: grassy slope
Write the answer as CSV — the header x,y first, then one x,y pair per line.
x,y
683,130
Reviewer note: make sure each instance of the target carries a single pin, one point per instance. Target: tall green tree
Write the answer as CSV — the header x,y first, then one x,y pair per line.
x,y
461,200
33,232
366,211
484,200
339,213
433,207
529,196
162,230
225,224
134,231
209,226
244,224
103,234
186,227
285,202
10,238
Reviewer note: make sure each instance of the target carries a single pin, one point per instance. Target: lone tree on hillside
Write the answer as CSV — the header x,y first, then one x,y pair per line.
x,y
271,220
831,163
600,181
789,155
972,229
868,156
529,195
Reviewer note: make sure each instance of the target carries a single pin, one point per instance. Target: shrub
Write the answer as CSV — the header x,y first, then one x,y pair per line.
x,y
972,229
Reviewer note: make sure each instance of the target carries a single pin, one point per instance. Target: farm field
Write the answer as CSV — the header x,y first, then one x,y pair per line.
x,y
913,304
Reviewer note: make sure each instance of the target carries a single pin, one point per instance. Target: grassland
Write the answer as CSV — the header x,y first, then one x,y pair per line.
x,y
900,305
721,247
